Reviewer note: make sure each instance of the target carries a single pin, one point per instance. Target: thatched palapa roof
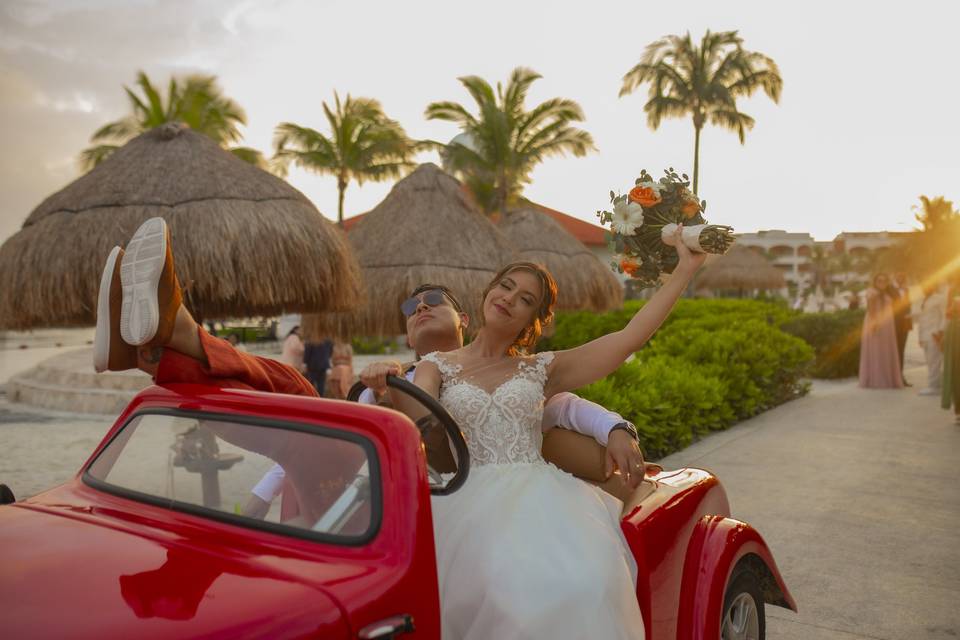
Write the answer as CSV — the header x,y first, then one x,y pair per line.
x,y
740,269
425,230
245,242
583,281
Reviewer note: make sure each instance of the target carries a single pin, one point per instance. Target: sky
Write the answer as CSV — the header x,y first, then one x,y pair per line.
x,y
866,124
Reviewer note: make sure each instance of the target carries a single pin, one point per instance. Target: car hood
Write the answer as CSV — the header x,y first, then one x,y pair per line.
x,y
68,576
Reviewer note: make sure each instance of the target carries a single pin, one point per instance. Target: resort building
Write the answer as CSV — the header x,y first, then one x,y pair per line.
x,y
788,251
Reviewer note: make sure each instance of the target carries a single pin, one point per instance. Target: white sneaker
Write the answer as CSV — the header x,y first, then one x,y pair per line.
x,y
928,392
140,273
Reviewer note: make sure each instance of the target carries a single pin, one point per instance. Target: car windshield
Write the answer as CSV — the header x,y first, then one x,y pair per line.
x,y
307,481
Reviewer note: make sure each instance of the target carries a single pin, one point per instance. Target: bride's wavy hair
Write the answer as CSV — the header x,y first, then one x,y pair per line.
x,y
527,339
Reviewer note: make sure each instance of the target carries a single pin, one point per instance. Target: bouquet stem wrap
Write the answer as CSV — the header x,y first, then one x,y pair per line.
x,y
691,236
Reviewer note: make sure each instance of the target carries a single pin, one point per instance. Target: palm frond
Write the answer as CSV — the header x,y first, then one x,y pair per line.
x,y
479,89
732,119
92,156
251,156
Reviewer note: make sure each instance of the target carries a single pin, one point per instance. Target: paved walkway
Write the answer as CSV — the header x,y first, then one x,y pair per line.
x,y
857,493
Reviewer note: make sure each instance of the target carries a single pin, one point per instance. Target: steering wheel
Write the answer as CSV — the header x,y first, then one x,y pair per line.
x,y
449,424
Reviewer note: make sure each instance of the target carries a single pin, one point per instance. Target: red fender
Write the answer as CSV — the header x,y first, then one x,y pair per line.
x,y
717,546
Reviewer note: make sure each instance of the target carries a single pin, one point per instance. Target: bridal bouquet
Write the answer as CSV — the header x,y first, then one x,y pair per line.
x,y
643,223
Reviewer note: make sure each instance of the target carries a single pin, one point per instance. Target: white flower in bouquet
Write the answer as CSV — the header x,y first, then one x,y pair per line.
x,y
627,217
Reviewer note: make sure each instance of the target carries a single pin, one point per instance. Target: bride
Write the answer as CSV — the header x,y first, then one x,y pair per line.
x,y
525,550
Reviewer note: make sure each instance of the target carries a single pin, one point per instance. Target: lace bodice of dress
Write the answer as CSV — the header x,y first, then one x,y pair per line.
x,y
499,409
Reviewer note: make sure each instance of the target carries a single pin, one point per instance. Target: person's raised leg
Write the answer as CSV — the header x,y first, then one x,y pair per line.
x,y
171,346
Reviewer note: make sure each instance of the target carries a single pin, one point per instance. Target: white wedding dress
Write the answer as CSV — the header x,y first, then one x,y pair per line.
x,y
524,550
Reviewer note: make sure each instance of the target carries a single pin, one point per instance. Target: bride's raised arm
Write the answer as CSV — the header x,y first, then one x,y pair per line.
x,y
598,358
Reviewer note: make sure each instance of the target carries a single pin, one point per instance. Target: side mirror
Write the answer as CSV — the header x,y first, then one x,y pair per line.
x,y
6,495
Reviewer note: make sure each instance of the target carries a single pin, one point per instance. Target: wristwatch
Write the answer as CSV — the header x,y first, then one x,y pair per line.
x,y
626,426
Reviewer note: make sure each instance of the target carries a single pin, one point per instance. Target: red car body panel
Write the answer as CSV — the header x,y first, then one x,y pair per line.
x,y
716,548
395,573
84,563
661,531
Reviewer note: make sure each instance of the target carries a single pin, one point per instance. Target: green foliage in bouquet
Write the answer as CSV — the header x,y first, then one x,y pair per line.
x,y
638,220
835,336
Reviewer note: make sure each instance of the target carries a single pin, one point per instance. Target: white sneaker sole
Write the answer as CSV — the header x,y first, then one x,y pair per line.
x,y
101,339
140,275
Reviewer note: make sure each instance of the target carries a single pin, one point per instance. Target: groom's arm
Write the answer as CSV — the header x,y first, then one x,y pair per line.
x,y
570,411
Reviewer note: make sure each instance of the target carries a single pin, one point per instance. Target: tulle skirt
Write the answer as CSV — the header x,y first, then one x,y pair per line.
x,y
526,551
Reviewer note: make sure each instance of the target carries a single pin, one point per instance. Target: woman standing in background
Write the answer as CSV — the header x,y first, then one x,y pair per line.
x,y
879,360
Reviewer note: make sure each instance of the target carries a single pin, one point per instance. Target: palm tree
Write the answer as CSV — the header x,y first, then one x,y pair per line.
x,y
935,213
503,142
364,144
821,264
197,101
932,251
703,82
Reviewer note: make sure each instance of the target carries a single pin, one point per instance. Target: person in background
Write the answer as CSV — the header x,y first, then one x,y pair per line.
x,y
902,309
879,362
293,349
951,351
931,322
316,359
234,340
341,371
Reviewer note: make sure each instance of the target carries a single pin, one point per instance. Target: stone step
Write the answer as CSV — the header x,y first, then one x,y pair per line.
x,y
22,389
50,373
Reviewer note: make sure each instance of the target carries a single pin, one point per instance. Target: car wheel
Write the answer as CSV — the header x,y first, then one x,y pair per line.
x,y
743,614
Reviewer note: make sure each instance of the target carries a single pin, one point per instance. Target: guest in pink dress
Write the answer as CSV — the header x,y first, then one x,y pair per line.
x,y
879,359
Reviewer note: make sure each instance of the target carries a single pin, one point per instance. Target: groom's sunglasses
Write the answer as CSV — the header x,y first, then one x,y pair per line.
x,y
431,297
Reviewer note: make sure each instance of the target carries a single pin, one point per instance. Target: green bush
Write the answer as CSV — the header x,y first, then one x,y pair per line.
x,y
572,329
669,400
758,365
713,362
835,337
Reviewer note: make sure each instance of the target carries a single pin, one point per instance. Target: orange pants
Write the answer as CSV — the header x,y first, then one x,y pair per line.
x,y
231,369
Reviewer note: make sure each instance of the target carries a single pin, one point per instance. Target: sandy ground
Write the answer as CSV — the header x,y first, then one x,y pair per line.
x,y
22,351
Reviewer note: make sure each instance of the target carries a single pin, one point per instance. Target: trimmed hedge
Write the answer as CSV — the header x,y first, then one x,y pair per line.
x,y
712,363
836,339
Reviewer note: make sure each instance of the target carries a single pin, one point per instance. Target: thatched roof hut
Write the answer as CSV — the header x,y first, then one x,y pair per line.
x,y
584,282
246,243
741,270
425,230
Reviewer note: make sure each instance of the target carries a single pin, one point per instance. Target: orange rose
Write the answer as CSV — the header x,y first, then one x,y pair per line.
x,y
644,196
629,266
689,207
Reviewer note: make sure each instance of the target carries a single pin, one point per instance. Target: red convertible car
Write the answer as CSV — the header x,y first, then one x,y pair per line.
x,y
154,537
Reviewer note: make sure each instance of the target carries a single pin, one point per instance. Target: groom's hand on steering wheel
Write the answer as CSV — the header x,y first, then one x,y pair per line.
x,y
374,376
623,453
